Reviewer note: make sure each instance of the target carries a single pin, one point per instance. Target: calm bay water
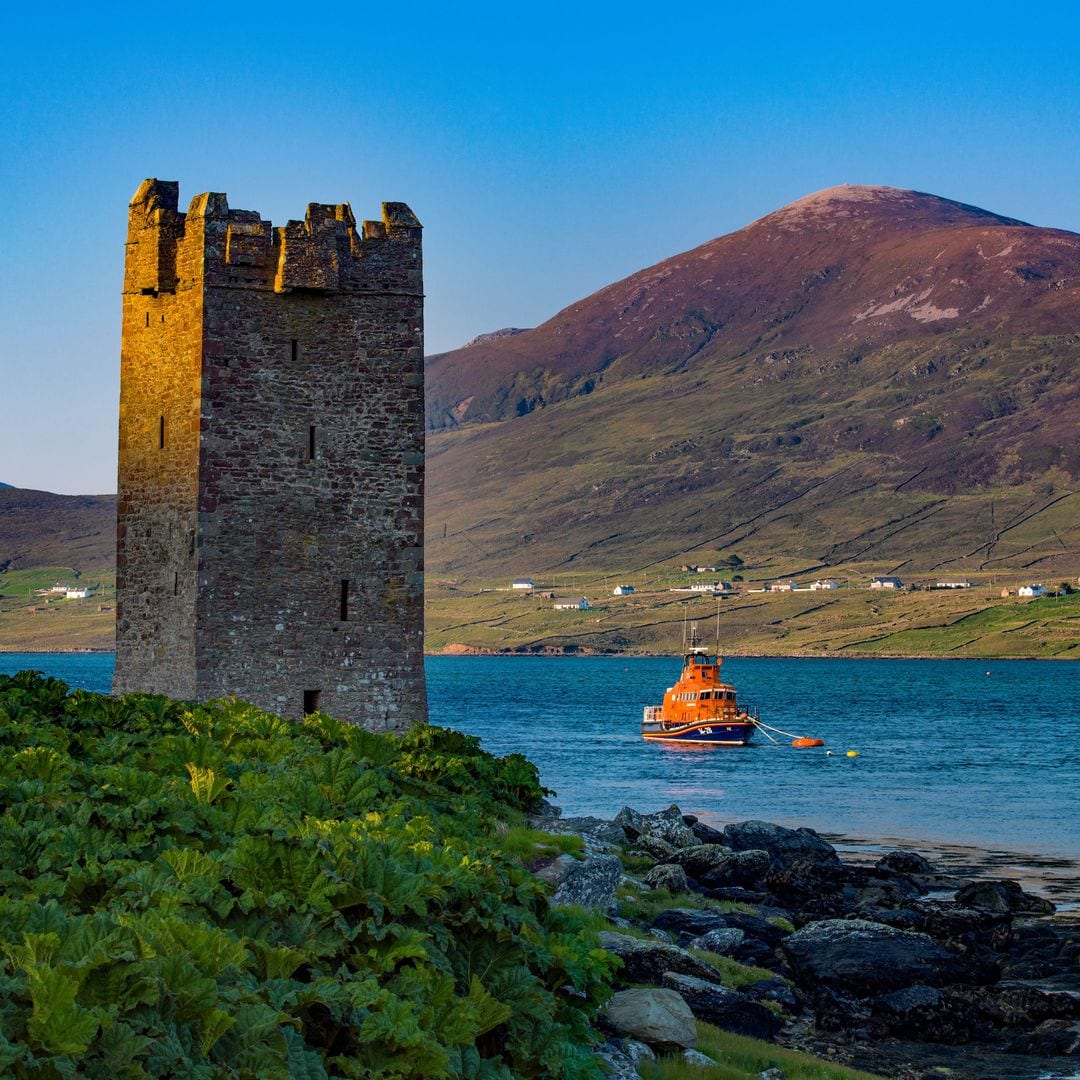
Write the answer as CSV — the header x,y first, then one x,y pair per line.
x,y
950,751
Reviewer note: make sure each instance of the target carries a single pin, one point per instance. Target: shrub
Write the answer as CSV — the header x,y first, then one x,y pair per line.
x,y
212,891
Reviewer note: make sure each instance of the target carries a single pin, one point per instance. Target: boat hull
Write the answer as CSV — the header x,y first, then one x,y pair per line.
x,y
713,733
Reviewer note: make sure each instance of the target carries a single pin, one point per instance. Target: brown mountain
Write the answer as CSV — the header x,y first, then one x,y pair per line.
x,y
867,373
39,528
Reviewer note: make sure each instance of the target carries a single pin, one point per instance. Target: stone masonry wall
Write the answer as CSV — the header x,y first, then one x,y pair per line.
x,y
308,483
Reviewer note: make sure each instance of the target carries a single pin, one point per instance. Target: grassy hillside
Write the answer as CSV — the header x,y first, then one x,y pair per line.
x,y
485,615
850,621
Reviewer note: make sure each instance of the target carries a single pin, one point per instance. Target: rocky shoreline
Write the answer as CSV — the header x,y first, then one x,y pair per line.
x,y
898,966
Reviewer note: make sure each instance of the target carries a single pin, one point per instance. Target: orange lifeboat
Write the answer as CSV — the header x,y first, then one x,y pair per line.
x,y
699,708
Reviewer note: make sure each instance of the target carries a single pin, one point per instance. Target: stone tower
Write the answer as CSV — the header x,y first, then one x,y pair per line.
x,y
270,516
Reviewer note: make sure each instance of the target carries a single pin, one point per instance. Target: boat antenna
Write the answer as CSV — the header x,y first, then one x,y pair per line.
x,y
684,626
717,624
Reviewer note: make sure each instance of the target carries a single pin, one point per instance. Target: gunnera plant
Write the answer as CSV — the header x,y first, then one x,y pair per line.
x,y
212,891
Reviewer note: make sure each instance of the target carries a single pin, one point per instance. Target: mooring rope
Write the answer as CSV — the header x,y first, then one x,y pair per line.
x,y
786,734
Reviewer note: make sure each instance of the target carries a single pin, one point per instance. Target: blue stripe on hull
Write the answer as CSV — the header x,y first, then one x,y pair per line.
x,y
729,734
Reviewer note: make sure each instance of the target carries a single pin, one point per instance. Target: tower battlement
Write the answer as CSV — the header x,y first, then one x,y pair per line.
x,y
326,251
270,517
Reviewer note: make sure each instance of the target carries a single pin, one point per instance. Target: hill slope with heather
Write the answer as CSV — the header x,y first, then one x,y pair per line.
x,y
41,528
866,376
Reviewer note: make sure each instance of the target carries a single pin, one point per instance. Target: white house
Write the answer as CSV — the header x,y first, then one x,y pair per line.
x,y
572,605
525,583
823,583
622,590
76,594
886,583
1031,590
953,585
781,586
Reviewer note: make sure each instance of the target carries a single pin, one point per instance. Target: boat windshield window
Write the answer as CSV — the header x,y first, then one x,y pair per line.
x,y
706,695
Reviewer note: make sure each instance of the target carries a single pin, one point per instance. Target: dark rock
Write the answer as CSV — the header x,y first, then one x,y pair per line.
x,y
784,845
593,828
727,1009
646,961
655,1016
925,1014
777,991
666,825
555,870
1025,1006
823,888
667,876
741,868
1003,896
617,1063
1052,1038
701,859
723,941
591,883
706,834
737,894
866,958
654,846
905,862
547,810
698,921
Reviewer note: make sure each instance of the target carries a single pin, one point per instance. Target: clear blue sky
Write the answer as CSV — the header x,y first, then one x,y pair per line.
x,y
547,149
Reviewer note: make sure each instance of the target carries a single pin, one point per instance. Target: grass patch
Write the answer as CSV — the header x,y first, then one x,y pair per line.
x,y
522,843
739,1057
636,864
646,904
732,973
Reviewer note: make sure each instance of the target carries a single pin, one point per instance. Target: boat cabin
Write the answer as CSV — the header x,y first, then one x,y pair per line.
x,y
699,694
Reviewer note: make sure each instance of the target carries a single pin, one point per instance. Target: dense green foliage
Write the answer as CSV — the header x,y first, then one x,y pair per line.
x,y
213,891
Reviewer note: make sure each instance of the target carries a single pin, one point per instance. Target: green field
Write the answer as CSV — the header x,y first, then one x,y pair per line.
x,y
850,621
31,621
486,616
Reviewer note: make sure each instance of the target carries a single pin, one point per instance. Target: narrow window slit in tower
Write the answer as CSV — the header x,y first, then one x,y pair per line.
x,y
162,318
311,701
176,584
161,433
148,318
295,349
344,599
311,443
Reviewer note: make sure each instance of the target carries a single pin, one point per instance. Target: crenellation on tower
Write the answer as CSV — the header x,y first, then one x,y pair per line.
x,y
271,458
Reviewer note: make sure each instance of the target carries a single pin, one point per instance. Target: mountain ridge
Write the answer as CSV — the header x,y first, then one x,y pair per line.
x,y
878,373
792,258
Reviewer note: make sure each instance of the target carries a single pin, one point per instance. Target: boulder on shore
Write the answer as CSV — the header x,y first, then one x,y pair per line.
x,y
591,883
1003,896
783,844
667,876
867,958
647,961
725,1008
657,1017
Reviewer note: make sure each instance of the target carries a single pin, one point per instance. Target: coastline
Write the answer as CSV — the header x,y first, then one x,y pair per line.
x,y
585,652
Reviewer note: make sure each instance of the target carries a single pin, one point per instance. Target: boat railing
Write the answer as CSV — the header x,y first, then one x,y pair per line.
x,y
653,714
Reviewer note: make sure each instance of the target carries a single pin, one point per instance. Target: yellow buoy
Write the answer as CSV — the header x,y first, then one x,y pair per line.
x,y
853,753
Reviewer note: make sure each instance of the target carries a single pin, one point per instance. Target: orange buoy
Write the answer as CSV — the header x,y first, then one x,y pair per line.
x,y
800,743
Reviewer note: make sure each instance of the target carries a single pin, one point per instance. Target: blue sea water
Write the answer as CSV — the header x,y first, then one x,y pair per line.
x,y
982,753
